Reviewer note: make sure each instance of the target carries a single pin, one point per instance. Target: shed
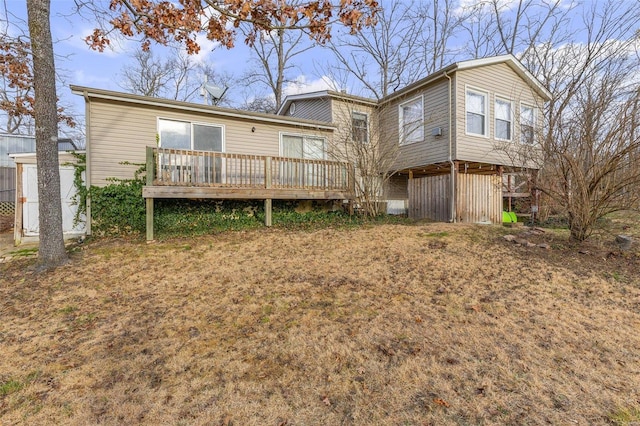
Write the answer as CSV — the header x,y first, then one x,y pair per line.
x,y
26,212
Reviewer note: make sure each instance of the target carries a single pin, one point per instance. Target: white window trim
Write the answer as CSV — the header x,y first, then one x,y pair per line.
x,y
366,115
534,124
495,116
401,140
485,93
191,123
303,136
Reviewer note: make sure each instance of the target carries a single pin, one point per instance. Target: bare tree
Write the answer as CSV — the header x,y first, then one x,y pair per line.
x,y
148,76
265,104
440,22
590,139
175,75
381,58
16,91
274,52
362,140
496,27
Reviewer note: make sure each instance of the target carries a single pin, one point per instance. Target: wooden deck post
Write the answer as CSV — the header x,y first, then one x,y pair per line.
x,y
149,201
455,204
267,185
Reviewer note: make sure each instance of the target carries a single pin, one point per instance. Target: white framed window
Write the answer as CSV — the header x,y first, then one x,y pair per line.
x,y
527,124
303,146
359,127
411,121
179,134
476,108
302,173
503,112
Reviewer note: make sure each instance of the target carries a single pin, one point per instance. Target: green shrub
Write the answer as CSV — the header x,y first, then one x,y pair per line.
x,y
198,217
119,209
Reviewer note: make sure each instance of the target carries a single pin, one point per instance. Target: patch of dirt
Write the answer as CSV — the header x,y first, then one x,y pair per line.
x,y
6,223
425,324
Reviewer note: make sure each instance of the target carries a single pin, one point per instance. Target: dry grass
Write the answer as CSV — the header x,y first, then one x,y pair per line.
x,y
429,324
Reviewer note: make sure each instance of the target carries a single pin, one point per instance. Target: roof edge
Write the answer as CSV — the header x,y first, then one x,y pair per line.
x,y
324,94
189,106
509,59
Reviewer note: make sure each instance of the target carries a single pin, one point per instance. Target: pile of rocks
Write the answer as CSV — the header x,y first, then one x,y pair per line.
x,y
523,241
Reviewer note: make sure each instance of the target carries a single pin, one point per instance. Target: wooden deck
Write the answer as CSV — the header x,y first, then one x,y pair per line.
x,y
173,173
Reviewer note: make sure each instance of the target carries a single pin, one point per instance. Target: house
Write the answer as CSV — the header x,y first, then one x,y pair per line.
x,y
200,151
456,135
450,137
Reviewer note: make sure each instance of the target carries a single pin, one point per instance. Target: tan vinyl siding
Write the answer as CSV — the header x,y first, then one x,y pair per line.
x,y
433,149
120,131
312,109
342,110
500,81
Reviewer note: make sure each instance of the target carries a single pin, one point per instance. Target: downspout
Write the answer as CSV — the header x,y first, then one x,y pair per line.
x,y
87,149
452,198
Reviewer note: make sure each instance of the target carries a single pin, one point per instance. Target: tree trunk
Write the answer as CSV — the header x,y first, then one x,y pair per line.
x,y
51,252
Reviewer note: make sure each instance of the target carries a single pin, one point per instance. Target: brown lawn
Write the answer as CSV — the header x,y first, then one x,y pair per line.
x,y
429,324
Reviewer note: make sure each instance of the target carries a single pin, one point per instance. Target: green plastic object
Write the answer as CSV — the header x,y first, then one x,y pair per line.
x,y
509,217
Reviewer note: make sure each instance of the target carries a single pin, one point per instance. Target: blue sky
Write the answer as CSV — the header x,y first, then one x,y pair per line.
x,y
80,65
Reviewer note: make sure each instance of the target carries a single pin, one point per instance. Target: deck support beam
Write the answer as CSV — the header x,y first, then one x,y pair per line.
x,y
267,185
149,201
267,211
149,219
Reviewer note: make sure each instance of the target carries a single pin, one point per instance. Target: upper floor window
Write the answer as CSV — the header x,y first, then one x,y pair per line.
x,y
527,121
411,121
186,135
476,107
359,127
299,146
504,120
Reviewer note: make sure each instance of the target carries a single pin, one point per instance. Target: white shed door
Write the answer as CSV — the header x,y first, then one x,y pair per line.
x,y
30,206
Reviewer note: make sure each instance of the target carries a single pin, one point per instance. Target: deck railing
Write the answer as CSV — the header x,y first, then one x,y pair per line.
x,y
177,167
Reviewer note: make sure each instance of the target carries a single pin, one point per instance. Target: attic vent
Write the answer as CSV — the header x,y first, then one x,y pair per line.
x,y
292,108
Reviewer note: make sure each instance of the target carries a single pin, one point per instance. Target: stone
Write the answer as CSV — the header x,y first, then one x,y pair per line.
x,y
509,237
624,242
544,246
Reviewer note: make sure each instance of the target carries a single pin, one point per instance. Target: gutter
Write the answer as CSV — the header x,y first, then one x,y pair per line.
x,y
452,201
